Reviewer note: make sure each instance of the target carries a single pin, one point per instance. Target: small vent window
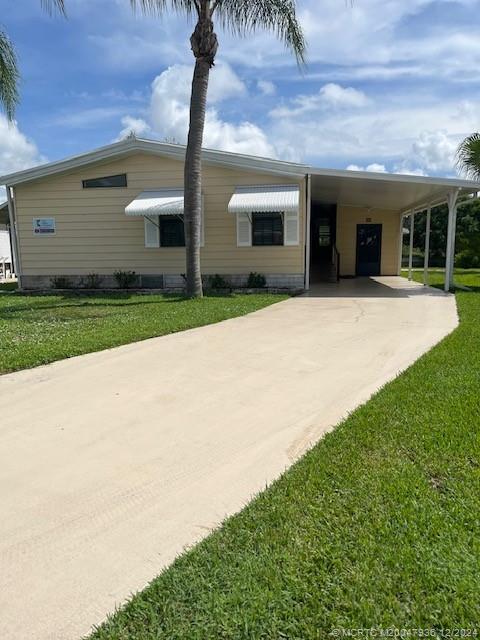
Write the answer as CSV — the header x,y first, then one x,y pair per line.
x,y
106,182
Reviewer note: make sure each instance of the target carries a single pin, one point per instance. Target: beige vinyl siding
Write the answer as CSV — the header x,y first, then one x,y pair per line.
x,y
93,234
347,220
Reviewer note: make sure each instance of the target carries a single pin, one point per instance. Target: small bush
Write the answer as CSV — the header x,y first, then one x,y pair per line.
x,y
125,279
256,280
61,282
93,281
467,259
217,282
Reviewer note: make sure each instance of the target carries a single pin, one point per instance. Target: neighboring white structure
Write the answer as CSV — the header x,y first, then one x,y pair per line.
x,y
5,255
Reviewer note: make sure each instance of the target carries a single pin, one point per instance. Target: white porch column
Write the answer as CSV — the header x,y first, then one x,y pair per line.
x,y
427,245
410,252
400,243
452,227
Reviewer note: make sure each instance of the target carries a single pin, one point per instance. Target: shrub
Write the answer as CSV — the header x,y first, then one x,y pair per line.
x,y
217,282
125,279
61,282
256,280
93,281
467,259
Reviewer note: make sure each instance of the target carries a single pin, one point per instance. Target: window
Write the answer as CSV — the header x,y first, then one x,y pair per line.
x,y
324,232
172,231
267,229
106,182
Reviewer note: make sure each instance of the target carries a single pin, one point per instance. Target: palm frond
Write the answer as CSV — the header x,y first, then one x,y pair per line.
x,y
468,156
54,6
8,76
157,7
279,16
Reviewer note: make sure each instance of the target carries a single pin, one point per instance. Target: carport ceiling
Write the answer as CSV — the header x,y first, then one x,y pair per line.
x,y
383,191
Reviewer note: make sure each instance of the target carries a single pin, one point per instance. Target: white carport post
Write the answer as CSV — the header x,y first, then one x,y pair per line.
x,y
452,226
427,245
400,248
410,251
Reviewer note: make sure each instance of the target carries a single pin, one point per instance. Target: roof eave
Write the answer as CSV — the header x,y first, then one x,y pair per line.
x,y
129,146
453,183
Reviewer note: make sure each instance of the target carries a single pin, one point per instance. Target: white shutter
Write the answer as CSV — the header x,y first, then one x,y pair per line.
x,y
152,232
291,229
244,230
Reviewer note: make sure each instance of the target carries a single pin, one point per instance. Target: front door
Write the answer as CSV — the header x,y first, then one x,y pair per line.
x,y
369,249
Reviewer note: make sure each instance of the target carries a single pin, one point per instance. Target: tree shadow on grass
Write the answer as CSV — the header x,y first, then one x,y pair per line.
x,y
83,300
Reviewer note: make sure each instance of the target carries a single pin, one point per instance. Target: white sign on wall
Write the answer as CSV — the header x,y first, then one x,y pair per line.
x,y
44,226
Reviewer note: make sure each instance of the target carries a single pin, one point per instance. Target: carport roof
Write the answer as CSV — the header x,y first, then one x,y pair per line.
x,y
384,190
358,188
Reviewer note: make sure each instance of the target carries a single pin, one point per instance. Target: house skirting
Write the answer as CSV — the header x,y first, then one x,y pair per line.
x,y
168,282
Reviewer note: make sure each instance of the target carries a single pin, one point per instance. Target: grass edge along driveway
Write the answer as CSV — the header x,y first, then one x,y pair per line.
x,y
377,525
39,329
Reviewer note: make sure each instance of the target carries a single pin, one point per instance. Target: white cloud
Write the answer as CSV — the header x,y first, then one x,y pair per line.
x,y
170,106
434,151
330,97
138,126
375,167
266,87
17,152
336,96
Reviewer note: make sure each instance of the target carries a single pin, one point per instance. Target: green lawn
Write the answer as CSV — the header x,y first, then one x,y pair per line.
x,y
436,277
378,525
40,329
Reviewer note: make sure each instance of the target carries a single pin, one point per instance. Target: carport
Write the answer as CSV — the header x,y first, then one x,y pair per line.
x,y
396,197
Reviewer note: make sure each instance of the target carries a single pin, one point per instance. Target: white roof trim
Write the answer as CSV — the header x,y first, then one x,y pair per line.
x,y
166,202
284,198
469,185
153,147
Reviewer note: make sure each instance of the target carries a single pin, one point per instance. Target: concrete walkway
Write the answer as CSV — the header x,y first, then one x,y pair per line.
x,y
111,463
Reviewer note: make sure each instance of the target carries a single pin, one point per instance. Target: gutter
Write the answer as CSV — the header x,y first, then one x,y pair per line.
x,y
14,237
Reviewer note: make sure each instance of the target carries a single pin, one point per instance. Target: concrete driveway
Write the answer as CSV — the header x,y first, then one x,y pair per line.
x,y
111,463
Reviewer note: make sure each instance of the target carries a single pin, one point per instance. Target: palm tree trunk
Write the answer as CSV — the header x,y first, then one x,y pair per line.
x,y
193,177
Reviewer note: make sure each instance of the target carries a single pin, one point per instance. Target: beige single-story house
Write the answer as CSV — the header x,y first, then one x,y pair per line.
x,y
120,208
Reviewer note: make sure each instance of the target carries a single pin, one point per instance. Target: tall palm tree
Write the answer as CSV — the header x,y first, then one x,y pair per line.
x,y
9,74
240,17
468,156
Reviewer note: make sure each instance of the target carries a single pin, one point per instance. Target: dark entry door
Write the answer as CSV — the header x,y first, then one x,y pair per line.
x,y
369,249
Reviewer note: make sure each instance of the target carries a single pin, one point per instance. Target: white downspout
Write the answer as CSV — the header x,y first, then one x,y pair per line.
x,y
307,232
427,245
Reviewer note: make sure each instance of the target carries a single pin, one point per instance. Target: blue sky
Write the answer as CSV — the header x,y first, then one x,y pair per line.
x,y
390,84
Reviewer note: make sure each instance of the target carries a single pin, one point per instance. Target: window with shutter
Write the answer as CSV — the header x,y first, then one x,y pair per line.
x,y
267,229
172,231
152,236
244,230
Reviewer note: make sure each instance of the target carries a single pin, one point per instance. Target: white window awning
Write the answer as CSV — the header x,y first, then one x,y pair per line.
x,y
283,198
166,202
